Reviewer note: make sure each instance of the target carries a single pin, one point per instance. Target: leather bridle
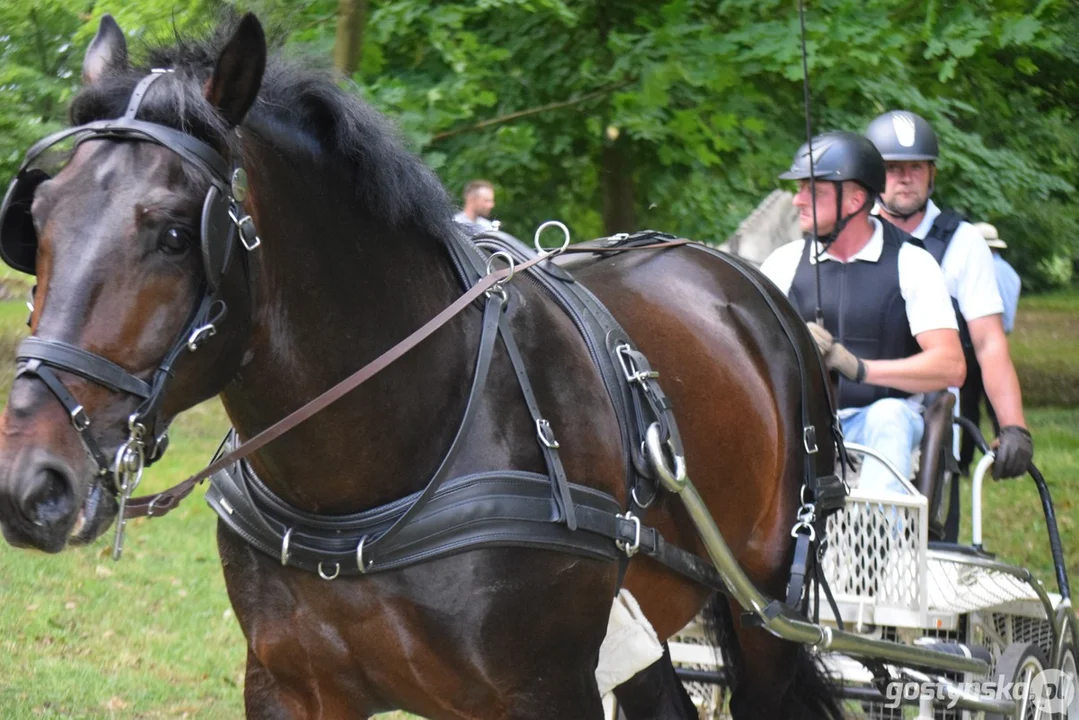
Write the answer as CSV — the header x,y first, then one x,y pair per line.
x,y
223,220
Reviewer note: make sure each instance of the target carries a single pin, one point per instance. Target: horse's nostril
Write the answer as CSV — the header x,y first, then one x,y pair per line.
x,y
49,498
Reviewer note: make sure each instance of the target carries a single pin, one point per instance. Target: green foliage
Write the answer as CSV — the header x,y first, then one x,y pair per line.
x,y
703,96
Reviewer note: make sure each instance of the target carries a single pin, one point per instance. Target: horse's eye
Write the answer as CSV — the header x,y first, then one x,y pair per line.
x,y
174,241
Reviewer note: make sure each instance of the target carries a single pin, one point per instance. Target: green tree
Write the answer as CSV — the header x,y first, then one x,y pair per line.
x,y
676,114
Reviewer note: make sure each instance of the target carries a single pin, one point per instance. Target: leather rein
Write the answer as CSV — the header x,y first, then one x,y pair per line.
x,y
160,504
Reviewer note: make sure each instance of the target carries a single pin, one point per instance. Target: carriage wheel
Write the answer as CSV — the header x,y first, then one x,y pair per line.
x,y
1020,662
1068,663
1070,682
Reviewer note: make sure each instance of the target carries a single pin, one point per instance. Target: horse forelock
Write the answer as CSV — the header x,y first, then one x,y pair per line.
x,y
301,111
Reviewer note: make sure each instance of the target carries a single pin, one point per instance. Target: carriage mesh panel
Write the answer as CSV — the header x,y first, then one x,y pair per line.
x,y
873,552
959,588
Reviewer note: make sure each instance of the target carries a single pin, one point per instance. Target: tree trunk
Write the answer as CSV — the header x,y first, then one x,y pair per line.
x,y
348,45
616,178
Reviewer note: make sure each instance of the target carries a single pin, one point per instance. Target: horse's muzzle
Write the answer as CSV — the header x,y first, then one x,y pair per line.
x,y
38,500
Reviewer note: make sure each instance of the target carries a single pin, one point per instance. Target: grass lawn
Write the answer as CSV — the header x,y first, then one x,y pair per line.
x,y
1045,349
154,637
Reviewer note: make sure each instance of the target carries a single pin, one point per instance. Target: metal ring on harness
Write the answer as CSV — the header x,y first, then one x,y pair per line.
x,y
539,231
360,563
676,481
498,288
284,546
643,506
325,575
128,465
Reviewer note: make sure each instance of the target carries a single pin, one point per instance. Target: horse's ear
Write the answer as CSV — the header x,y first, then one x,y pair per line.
x,y
238,73
107,51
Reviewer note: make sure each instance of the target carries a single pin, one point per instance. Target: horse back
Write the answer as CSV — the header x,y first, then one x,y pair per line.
x,y
714,329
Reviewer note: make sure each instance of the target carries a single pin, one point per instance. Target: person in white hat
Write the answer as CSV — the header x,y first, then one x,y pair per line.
x,y
1008,281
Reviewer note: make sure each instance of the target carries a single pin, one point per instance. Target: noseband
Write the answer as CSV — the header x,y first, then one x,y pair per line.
x,y
223,220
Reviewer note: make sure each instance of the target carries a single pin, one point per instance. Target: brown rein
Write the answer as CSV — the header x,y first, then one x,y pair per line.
x,y
161,503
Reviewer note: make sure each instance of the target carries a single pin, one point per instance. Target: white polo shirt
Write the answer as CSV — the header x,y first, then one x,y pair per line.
x,y
968,268
921,283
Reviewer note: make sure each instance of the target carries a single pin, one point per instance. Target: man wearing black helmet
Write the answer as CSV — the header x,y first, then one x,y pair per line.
x,y
888,328
909,148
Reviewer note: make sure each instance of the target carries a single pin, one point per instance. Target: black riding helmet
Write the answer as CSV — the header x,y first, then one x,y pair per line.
x,y
839,157
903,136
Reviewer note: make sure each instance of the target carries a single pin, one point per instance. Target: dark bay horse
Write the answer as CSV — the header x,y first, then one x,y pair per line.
x,y
352,259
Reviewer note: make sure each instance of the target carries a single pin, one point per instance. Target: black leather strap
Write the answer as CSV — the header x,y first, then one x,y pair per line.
x,y
79,419
138,93
491,316
799,569
544,432
83,363
651,543
494,509
821,581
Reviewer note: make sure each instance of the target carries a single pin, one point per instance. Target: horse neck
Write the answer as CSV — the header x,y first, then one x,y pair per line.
x,y
336,288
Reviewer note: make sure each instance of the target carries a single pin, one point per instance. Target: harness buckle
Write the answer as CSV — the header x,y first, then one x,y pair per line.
x,y
809,439
630,549
546,434
80,419
630,369
199,334
245,227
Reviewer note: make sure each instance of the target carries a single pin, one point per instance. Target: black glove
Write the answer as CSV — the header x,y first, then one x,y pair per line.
x,y
1015,448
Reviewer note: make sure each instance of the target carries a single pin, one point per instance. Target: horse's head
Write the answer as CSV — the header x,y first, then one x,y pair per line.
x,y
136,243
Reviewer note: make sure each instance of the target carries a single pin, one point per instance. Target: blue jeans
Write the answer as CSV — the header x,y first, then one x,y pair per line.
x,y
893,427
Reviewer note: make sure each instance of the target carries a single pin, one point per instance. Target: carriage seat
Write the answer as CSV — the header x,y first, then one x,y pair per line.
x,y
937,468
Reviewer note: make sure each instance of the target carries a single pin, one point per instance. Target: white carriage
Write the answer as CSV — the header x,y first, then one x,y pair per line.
x,y
892,582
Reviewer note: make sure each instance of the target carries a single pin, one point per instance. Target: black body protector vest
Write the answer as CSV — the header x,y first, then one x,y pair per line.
x,y
863,309
936,244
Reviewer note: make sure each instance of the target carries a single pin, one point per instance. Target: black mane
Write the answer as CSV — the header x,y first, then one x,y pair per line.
x,y
297,107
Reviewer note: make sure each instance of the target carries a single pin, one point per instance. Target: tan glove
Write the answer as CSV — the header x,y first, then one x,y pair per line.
x,y
836,357
822,337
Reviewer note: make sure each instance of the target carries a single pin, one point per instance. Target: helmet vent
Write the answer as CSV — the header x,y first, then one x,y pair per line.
x,y
904,129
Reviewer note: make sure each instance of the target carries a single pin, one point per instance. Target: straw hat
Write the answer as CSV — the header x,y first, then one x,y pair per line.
x,y
989,232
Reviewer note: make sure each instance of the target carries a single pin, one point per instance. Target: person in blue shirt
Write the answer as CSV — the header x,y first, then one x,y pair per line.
x,y
1008,281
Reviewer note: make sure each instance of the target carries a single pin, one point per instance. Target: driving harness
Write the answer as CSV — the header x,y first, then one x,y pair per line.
x,y
451,514
491,509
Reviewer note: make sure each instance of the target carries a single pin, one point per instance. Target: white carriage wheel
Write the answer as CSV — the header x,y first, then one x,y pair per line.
x,y
1070,670
1020,662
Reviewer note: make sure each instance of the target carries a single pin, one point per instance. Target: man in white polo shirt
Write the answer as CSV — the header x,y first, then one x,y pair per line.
x,y
888,326
909,148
